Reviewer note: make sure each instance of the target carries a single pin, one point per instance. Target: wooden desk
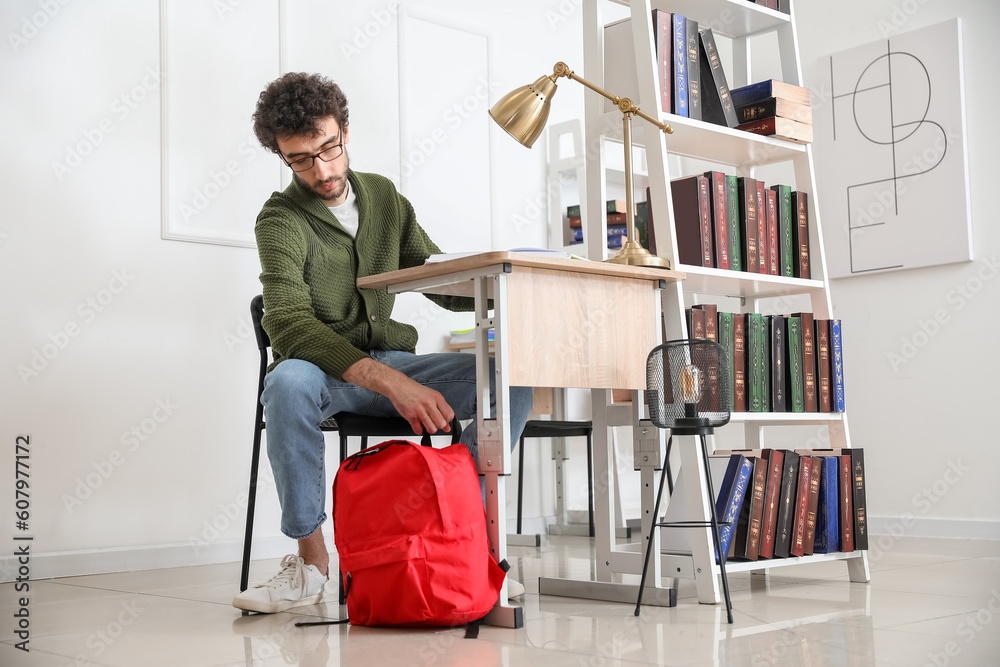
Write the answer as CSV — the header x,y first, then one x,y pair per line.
x,y
559,323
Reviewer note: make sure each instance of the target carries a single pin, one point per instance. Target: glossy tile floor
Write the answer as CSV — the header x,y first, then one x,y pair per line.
x,y
930,602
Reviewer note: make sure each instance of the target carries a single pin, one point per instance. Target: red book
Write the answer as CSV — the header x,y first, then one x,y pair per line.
x,y
808,359
801,506
693,220
814,482
780,128
663,36
772,232
717,184
846,480
823,369
763,242
739,362
775,464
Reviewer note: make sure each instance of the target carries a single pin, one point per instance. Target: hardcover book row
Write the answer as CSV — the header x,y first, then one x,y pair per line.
x,y
778,363
782,503
736,222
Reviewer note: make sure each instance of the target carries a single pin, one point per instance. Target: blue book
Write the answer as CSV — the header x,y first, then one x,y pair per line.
x,y
837,355
680,65
761,90
731,495
827,509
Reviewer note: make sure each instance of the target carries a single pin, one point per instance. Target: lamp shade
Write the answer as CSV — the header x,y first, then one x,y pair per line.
x,y
524,111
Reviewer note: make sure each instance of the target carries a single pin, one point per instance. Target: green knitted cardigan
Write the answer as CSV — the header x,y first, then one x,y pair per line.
x,y
313,309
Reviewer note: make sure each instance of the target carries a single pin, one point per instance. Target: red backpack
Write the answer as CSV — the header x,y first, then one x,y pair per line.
x,y
410,530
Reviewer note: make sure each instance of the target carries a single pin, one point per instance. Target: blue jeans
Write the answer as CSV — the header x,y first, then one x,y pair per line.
x,y
298,396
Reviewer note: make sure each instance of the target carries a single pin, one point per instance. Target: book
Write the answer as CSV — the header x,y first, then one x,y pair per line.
x,y
823,386
747,538
692,220
786,505
837,367
779,128
794,372
720,211
573,211
746,189
800,233
761,90
779,350
739,362
727,341
730,500
773,248
773,106
808,360
756,365
717,105
679,65
801,506
776,463
468,335
857,455
711,320
787,254
696,323
827,538
846,516
616,206
763,242
693,69
663,40
650,229
808,544
733,223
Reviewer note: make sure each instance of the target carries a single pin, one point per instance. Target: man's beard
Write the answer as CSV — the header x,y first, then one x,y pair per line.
x,y
339,188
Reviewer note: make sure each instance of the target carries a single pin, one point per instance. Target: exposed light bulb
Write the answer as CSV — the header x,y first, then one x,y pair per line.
x,y
690,384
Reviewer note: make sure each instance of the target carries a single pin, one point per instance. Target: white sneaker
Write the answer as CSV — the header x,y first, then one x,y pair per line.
x,y
515,588
296,585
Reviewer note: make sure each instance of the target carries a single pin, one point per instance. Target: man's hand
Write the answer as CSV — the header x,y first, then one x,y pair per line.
x,y
424,408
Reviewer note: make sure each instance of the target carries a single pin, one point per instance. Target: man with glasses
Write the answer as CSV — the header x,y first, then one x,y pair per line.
x,y
335,347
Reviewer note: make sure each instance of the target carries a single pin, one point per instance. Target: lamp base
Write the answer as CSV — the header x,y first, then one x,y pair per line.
x,y
633,254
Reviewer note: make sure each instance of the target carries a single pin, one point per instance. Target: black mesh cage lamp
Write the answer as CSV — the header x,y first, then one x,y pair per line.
x,y
689,391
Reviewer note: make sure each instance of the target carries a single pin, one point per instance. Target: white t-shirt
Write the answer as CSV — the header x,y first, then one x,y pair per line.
x,y
348,212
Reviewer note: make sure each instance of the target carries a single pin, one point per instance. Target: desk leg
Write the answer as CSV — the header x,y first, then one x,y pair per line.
x,y
494,433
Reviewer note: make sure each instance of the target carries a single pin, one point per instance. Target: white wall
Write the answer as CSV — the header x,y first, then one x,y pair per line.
x,y
128,332
165,347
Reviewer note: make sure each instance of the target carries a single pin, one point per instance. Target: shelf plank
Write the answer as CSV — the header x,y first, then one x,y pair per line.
x,y
722,282
715,143
731,18
746,566
786,418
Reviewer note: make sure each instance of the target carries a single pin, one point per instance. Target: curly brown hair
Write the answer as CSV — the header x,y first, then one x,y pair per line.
x,y
293,105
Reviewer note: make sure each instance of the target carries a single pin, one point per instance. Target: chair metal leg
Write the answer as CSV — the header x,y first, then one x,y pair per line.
x,y
649,538
590,483
520,481
251,503
716,534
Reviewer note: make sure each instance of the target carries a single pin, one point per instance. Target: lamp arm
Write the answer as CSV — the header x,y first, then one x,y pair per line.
x,y
624,104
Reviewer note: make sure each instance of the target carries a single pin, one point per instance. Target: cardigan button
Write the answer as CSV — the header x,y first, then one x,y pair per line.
x,y
374,317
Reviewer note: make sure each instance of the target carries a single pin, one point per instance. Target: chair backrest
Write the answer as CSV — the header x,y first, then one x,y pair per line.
x,y
256,316
687,379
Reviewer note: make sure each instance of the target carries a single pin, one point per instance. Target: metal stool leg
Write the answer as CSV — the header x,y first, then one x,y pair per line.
x,y
520,481
716,535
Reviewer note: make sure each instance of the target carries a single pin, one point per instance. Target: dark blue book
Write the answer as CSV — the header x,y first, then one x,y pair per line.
x,y
731,495
680,65
837,364
761,90
827,516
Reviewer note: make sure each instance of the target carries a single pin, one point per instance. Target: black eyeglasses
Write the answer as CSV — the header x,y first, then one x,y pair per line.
x,y
326,155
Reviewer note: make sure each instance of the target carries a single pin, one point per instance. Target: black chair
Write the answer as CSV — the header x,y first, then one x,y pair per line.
x,y
538,428
345,423
689,391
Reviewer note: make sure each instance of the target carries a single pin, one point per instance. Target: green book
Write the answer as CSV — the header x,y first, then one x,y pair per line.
x,y
756,366
573,211
764,325
796,369
733,222
727,340
787,256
